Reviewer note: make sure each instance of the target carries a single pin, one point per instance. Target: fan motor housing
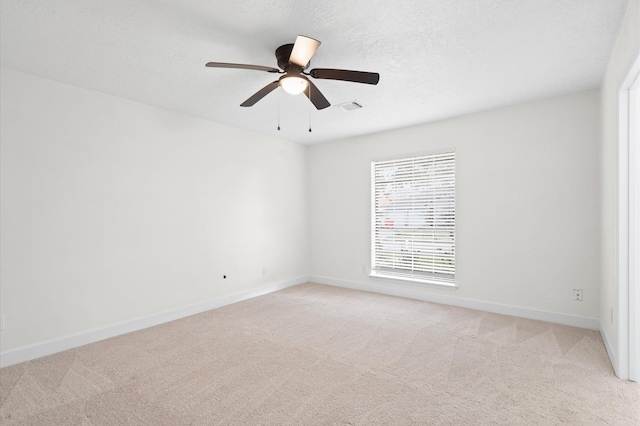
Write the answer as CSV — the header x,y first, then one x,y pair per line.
x,y
283,53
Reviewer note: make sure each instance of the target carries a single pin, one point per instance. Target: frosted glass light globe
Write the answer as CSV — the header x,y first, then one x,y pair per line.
x,y
294,85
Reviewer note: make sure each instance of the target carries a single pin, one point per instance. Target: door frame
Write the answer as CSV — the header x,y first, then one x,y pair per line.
x,y
629,225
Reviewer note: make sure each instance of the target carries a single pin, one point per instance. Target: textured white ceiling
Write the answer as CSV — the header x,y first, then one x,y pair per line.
x,y
436,58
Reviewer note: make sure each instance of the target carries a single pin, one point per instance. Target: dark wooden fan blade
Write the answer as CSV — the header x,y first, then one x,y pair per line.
x,y
346,75
241,66
316,98
303,49
260,94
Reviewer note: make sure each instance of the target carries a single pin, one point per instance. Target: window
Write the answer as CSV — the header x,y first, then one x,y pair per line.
x,y
413,218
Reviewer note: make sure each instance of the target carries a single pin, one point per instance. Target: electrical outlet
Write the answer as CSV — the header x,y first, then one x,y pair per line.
x,y
577,294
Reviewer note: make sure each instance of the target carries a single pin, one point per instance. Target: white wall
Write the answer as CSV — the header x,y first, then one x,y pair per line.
x,y
527,204
113,210
626,50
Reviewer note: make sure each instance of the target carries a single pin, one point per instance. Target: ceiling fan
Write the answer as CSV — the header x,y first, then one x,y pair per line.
x,y
293,59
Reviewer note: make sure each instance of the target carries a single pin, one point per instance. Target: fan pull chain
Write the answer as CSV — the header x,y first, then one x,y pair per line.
x,y
278,113
309,109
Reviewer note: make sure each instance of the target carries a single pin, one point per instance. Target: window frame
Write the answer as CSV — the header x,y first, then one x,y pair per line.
x,y
410,278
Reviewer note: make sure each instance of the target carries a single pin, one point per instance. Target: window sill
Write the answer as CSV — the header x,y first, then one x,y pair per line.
x,y
414,281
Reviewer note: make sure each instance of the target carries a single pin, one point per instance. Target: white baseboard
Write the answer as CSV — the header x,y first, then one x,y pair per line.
x,y
49,347
610,351
53,346
413,292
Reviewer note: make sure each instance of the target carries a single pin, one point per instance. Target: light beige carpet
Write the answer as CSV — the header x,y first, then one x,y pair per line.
x,y
319,355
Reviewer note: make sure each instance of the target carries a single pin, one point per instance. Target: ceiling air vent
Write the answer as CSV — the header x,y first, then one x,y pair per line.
x,y
350,106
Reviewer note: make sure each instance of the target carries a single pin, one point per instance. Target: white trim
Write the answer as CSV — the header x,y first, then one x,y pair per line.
x,y
634,226
424,282
626,356
414,154
622,351
413,292
64,343
610,351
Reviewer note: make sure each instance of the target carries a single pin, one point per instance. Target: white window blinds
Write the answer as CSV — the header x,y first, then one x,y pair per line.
x,y
413,218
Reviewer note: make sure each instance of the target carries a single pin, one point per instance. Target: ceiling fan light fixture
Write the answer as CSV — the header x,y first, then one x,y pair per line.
x,y
294,85
293,59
